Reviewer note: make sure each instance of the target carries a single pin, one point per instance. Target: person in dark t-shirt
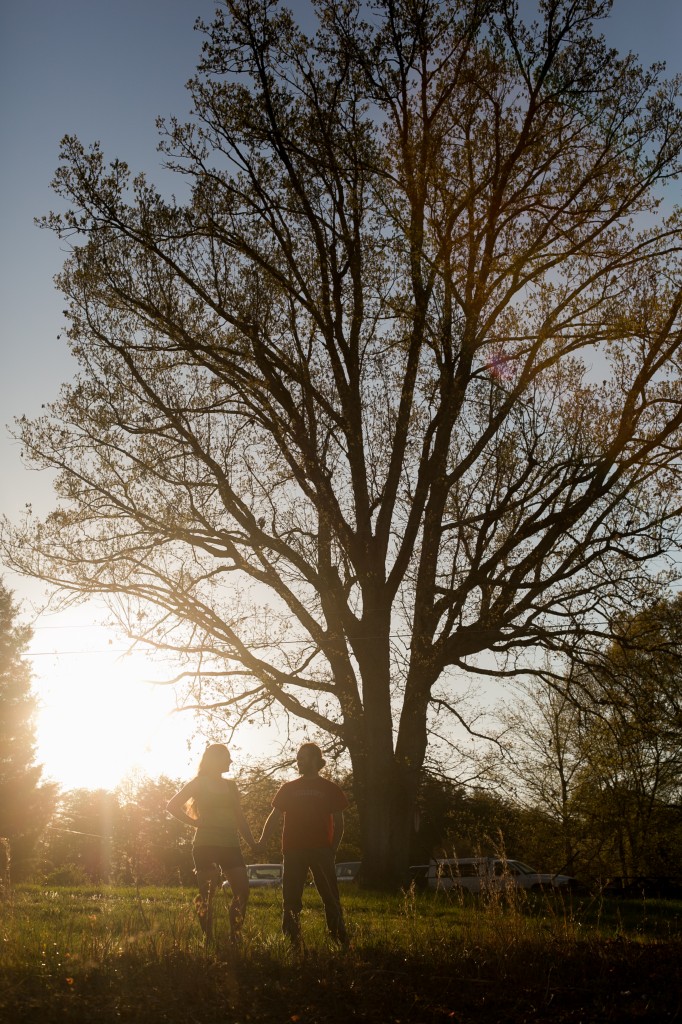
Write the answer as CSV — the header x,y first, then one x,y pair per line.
x,y
312,808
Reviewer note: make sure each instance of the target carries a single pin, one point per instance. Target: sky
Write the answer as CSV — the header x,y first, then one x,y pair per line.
x,y
104,70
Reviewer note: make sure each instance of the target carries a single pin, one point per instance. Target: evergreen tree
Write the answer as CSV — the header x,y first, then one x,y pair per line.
x,y
26,803
151,847
86,837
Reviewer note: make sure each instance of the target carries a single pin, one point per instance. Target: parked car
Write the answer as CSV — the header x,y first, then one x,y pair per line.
x,y
347,870
417,874
262,876
479,873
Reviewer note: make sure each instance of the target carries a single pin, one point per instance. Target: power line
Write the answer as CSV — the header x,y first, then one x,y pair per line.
x,y
60,654
85,625
281,643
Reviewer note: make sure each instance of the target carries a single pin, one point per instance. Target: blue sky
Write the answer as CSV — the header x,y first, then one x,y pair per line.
x,y
104,69
101,69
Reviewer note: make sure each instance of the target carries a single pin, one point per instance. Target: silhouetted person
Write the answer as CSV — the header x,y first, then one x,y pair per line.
x,y
312,808
210,804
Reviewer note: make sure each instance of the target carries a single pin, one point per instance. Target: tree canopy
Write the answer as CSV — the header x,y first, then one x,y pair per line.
x,y
392,389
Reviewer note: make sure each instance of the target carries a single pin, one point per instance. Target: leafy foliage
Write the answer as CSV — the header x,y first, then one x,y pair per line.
x,y
601,755
25,802
125,837
632,792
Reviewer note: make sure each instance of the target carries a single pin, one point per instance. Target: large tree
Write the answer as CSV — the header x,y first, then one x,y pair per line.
x,y
392,389
26,802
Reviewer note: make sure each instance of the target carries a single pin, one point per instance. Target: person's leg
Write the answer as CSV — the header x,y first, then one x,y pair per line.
x,y
239,885
294,873
208,880
324,875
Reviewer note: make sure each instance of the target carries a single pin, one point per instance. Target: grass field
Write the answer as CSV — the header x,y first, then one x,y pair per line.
x,y
118,955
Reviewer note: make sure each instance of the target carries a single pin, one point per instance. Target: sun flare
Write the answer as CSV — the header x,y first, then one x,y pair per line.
x,y
98,720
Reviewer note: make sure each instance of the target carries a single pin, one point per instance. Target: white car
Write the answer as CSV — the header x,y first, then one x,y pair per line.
x,y
476,874
347,870
262,876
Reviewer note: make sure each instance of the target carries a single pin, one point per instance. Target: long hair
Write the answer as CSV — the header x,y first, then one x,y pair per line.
x,y
215,755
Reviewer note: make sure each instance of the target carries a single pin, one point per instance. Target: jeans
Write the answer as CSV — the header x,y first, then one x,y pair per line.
x,y
295,873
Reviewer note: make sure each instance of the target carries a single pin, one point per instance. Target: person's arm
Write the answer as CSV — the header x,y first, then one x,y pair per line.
x,y
337,818
176,805
241,822
270,826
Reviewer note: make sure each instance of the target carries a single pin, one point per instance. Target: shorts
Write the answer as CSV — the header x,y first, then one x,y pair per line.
x,y
226,857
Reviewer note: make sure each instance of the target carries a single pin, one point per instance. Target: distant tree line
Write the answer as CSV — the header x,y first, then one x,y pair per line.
x,y
125,837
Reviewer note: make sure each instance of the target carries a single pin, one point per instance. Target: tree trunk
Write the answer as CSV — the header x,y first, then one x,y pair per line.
x,y
386,798
386,784
384,790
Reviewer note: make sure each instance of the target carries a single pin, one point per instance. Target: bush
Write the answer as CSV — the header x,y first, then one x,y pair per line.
x,y
68,874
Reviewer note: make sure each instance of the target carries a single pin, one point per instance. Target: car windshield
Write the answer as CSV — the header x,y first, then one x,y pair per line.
x,y
522,868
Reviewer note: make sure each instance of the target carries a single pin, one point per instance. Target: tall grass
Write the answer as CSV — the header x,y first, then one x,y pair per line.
x,y
113,954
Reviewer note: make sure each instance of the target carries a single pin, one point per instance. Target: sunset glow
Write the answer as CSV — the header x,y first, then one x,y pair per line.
x,y
99,720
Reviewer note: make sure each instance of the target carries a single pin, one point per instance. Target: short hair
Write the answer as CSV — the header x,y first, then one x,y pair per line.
x,y
310,752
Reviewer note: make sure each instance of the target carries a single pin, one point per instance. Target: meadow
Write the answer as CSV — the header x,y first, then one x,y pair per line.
x,y
110,955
